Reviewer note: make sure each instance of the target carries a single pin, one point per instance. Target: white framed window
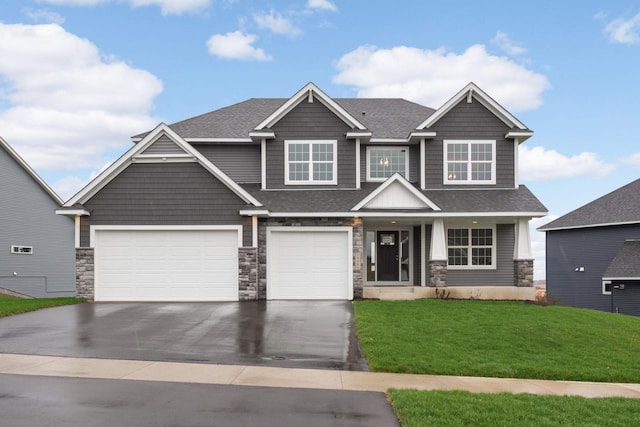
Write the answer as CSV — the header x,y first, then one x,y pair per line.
x,y
606,287
382,162
471,248
469,162
310,162
21,250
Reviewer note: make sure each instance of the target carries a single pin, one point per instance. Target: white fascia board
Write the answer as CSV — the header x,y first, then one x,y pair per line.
x,y
262,134
254,212
389,140
390,214
126,159
396,177
573,227
521,136
72,212
422,134
481,97
620,278
14,154
309,90
358,134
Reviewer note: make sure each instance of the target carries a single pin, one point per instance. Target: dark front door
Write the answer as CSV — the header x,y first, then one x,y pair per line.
x,y
388,255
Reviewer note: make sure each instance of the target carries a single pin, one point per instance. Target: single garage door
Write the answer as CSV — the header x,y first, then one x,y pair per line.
x,y
309,263
166,265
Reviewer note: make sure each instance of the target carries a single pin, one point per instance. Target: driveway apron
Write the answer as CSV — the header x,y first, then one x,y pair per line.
x,y
292,334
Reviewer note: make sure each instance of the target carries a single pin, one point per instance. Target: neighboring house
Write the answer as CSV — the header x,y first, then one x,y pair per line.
x,y
37,258
593,253
311,197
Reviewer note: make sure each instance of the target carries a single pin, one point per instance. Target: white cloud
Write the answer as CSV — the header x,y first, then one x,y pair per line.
x,y
538,164
504,42
276,23
236,45
321,4
67,106
431,77
633,159
168,7
44,16
624,31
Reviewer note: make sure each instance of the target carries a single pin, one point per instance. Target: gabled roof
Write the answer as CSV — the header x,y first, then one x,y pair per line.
x,y
411,196
310,92
137,152
621,206
14,154
626,264
473,91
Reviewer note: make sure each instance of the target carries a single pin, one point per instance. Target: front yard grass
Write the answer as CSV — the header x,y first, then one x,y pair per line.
x,y
461,408
10,305
498,339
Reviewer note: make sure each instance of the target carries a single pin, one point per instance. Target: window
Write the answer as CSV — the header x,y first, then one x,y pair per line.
x,y
470,248
606,287
382,162
22,250
469,162
310,162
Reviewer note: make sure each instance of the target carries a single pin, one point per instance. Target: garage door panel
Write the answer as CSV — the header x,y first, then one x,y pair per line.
x,y
166,265
308,264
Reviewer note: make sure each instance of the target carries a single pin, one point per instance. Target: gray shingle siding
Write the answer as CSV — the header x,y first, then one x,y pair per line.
x,y
165,194
27,215
241,162
470,121
502,275
310,121
591,248
627,300
163,145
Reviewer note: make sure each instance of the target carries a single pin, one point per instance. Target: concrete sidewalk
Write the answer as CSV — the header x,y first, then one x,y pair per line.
x,y
18,364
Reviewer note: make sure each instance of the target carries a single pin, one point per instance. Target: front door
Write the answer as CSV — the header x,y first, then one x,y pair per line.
x,y
388,256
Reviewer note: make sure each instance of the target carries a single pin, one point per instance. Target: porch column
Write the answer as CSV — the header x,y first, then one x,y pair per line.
x,y
522,254
423,254
438,254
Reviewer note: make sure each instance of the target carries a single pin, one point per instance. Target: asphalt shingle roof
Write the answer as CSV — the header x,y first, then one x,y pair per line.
x,y
626,263
621,206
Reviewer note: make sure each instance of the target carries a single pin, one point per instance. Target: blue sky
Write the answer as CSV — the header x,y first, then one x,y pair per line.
x,y
78,77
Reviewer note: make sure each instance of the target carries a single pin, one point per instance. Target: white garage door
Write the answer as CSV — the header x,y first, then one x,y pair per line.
x,y
166,265
309,263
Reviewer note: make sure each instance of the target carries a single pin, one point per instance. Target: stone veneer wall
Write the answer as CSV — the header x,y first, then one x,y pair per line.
x,y
523,272
247,274
358,245
437,273
85,273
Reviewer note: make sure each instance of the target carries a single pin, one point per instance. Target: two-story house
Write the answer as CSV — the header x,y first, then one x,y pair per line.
x,y
311,197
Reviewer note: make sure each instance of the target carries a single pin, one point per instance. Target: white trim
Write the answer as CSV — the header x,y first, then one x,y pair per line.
x,y
604,283
519,136
516,163
263,163
393,228
287,229
422,167
389,140
470,227
422,134
387,147
621,278
358,163
94,228
254,231
262,134
253,212
522,247
311,162
163,158
72,212
571,227
358,134
386,214
76,230
14,154
468,162
299,97
396,177
479,95
438,249
423,254
126,159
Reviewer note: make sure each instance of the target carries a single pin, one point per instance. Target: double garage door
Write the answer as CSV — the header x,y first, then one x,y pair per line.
x,y
202,264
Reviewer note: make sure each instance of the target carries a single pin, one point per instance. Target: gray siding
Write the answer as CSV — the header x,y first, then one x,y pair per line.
x,y
627,300
414,162
241,162
27,217
502,275
470,121
165,194
163,145
418,255
591,248
309,121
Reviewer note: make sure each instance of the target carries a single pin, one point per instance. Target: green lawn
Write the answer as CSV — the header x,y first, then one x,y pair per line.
x,y
11,305
461,408
498,339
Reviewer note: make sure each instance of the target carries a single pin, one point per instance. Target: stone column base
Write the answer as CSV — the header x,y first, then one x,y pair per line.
x,y
523,272
247,274
85,279
437,273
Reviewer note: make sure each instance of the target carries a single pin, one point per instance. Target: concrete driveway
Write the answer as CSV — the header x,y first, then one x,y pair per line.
x,y
292,334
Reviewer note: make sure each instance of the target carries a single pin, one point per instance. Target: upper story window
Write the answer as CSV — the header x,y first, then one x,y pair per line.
x,y
310,162
382,162
471,248
470,162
